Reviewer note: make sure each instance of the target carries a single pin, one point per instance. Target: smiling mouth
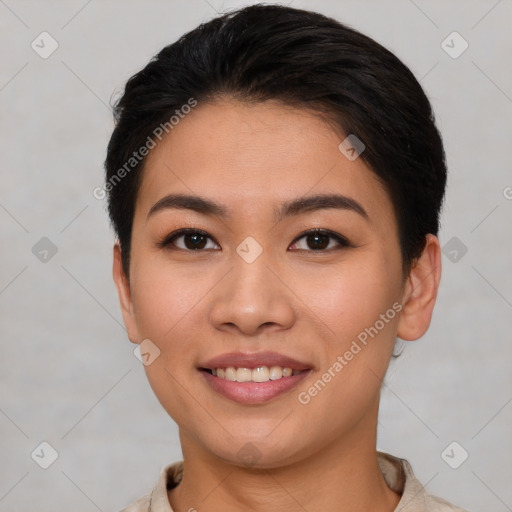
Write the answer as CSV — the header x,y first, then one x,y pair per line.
x,y
258,374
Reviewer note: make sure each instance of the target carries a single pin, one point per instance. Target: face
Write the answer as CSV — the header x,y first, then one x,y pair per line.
x,y
259,250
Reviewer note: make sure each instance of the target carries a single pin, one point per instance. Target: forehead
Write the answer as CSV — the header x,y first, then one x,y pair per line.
x,y
248,156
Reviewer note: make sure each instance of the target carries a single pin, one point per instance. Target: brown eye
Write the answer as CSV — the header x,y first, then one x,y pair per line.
x,y
188,240
194,241
320,240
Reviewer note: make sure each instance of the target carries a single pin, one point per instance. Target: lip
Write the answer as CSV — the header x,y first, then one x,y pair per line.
x,y
250,393
253,360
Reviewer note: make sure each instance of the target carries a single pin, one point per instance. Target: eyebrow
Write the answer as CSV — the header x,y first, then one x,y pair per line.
x,y
289,208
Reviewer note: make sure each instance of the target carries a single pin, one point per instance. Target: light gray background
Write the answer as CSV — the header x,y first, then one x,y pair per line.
x,y
69,376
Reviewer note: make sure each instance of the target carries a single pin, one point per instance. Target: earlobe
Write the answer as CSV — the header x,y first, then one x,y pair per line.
x,y
420,292
124,293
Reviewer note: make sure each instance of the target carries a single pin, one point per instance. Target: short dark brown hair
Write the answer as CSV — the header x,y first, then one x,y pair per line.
x,y
302,59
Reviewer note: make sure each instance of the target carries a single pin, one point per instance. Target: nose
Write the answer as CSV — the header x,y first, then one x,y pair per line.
x,y
252,298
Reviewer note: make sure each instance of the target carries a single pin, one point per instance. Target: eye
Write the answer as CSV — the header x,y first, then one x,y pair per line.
x,y
188,240
196,240
320,240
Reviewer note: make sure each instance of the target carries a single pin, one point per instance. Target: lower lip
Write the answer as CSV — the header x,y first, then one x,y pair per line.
x,y
253,392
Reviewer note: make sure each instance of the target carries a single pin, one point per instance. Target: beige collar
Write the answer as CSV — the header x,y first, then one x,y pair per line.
x,y
397,473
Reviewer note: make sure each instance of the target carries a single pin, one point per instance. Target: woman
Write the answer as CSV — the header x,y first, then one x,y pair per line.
x,y
275,181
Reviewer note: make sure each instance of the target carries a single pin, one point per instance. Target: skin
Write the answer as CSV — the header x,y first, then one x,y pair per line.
x,y
307,304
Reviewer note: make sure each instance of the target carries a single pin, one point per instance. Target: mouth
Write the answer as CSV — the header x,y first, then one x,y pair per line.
x,y
258,374
253,378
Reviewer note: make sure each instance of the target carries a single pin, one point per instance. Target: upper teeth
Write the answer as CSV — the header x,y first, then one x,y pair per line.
x,y
259,374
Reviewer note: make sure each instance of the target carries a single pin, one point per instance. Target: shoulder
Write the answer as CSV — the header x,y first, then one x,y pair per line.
x,y
141,505
157,500
400,477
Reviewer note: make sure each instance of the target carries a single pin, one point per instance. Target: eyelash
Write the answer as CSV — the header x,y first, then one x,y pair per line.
x,y
167,242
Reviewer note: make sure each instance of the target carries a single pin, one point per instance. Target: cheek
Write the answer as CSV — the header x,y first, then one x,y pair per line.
x,y
167,304
164,298
349,300
356,303
358,309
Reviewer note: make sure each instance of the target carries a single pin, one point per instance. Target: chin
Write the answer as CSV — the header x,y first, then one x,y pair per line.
x,y
258,453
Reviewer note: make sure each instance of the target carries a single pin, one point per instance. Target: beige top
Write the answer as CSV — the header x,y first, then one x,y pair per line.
x,y
397,473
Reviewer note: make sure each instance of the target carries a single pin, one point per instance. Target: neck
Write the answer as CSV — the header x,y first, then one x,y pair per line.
x,y
343,476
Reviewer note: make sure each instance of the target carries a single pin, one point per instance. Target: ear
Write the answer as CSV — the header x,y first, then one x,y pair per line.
x,y
420,292
125,296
